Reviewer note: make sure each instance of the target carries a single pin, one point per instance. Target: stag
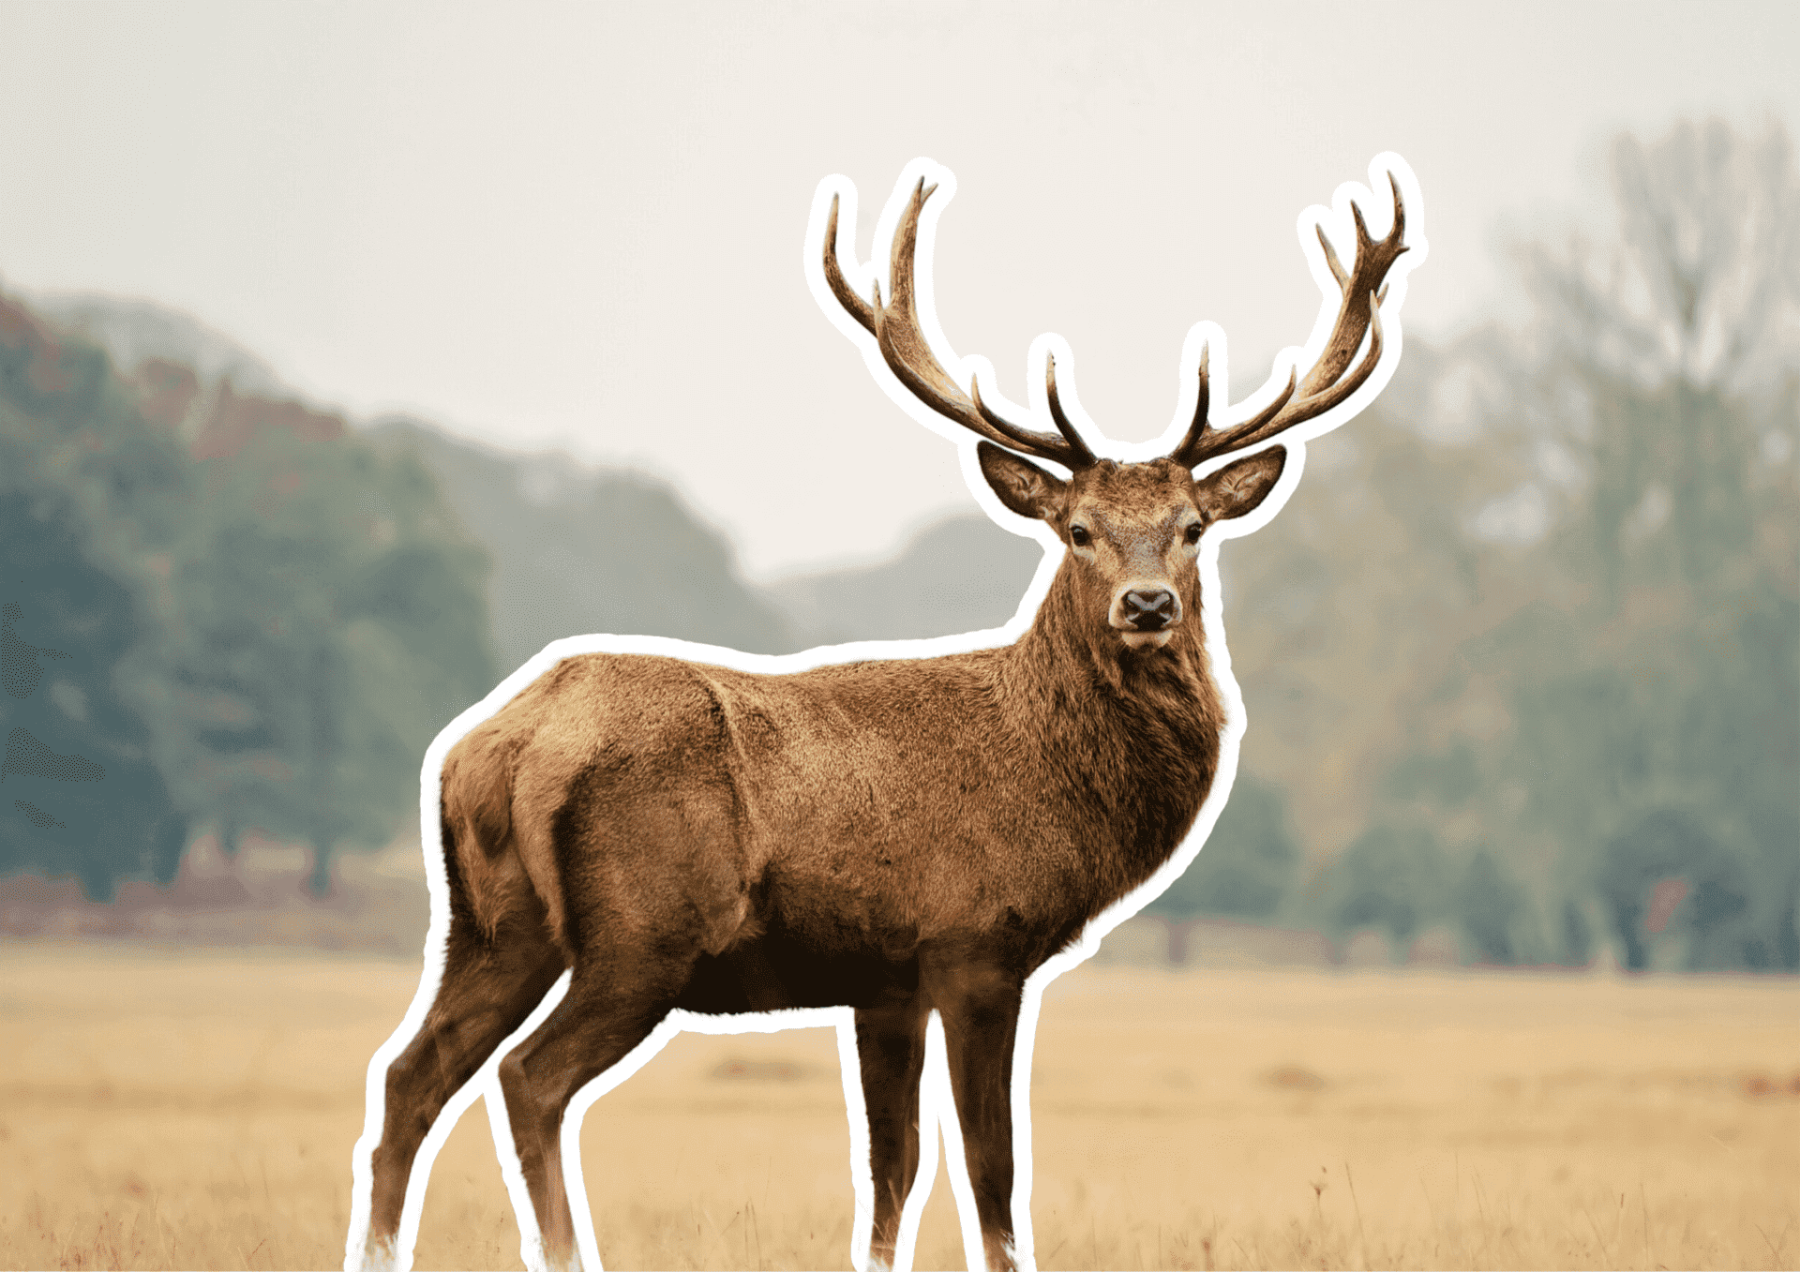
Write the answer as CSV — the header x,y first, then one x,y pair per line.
x,y
633,843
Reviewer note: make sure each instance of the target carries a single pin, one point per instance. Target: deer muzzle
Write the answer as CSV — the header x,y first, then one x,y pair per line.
x,y
1145,614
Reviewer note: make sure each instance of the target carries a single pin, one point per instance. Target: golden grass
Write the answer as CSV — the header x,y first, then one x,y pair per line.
x,y
197,1110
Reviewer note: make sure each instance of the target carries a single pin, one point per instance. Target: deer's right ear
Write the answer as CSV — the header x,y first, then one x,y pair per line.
x,y
1022,486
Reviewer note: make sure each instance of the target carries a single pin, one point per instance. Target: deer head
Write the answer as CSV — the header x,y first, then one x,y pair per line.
x,y
1132,530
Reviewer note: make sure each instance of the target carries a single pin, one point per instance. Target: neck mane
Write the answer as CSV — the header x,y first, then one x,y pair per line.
x,y
1131,734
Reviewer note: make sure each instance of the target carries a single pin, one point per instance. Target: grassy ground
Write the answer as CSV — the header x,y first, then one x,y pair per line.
x,y
162,1110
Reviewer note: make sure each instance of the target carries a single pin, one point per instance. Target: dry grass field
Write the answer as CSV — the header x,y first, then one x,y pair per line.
x,y
185,1109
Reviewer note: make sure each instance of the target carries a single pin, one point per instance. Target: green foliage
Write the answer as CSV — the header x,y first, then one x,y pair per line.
x,y
1660,688
325,621
1248,866
85,484
1643,691
100,810
1451,777
268,639
1392,878
1491,906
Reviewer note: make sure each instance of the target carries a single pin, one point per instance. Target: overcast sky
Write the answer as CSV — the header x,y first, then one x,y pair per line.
x,y
581,226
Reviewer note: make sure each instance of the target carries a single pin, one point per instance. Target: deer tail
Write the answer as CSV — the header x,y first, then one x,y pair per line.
x,y
488,882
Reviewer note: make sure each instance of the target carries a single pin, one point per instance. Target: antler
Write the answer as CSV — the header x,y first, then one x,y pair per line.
x,y
1326,385
895,327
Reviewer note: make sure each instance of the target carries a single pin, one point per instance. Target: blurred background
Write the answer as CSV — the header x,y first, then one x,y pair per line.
x,y
350,355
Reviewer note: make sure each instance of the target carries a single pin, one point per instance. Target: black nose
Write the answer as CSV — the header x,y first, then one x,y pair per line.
x,y
1149,609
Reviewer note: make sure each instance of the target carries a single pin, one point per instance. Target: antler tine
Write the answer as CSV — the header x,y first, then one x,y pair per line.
x,y
1399,227
1063,424
1331,257
908,354
1197,430
1332,379
1363,241
834,275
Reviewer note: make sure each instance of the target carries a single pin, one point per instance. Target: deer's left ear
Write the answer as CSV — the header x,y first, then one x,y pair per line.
x,y
1023,487
1237,489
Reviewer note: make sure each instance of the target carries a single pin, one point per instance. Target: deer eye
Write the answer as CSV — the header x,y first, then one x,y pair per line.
x,y
1193,532
1078,535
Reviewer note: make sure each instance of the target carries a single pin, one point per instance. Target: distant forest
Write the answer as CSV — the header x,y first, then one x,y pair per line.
x,y
1521,657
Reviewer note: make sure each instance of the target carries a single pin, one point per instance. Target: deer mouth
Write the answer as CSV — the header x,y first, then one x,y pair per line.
x,y
1147,640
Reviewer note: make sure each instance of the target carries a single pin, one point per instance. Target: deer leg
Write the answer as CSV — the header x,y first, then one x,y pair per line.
x,y
487,990
981,1021
596,1025
890,1049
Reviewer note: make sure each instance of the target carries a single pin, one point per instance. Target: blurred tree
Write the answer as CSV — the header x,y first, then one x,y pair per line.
x,y
1249,864
1698,282
1639,714
87,488
1490,905
80,795
1393,879
1682,348
269,637
1246,870
326,619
